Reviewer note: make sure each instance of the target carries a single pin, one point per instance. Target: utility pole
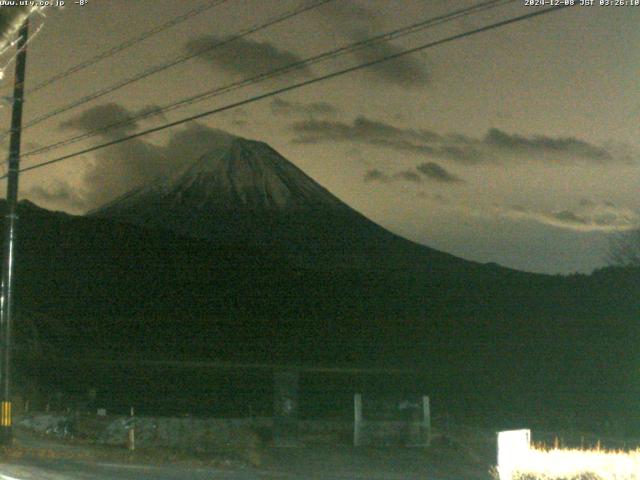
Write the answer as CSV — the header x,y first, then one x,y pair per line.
x,y
6,297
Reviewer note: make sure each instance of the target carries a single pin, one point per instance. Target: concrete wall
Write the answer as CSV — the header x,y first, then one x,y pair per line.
x,y
200,434
206,434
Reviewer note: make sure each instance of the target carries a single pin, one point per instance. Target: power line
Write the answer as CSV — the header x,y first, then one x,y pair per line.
x,y
125,45
279,71
299,85
159,68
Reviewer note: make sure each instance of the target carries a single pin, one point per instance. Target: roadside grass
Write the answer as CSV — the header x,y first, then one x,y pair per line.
x,y
540,463
33,446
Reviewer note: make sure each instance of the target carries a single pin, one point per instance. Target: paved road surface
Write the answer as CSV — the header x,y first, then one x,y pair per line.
x,y
291,464
65,470
69,470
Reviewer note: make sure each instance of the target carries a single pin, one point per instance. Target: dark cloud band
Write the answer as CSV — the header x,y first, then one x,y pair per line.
x,y
245,57
298,109
431,171
496,145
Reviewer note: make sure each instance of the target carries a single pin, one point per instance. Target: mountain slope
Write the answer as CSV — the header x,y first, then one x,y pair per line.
x,y
243,192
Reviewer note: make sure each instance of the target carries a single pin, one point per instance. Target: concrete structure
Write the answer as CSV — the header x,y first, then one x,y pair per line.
x,y
399,422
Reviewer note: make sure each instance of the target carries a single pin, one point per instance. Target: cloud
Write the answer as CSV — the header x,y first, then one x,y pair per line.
x,y
405,71
434,197
364,130
599,216
587,216
495,146
123,167
409,176
375,175
111,116
435,172
59,194
298,109
463,152
431,171
245,57
360,23
541,144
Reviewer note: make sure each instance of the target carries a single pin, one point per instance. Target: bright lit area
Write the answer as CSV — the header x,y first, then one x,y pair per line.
x,y
519,461
561,464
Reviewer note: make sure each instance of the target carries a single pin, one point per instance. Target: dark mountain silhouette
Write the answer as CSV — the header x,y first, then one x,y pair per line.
x,y
242,236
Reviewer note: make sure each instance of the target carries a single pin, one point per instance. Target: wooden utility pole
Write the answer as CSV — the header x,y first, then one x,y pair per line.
x,y
6,297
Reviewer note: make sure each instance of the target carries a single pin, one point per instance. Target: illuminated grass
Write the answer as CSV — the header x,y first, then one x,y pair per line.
x,y
559,464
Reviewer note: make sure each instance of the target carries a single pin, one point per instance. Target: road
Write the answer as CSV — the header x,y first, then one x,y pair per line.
x,y
41,458
66,470
319,463
70,470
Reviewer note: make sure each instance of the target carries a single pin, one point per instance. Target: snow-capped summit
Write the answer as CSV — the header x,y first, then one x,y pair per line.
x,y
248,175
237,174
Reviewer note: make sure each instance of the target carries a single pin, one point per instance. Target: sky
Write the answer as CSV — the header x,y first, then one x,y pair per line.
x,y
518,146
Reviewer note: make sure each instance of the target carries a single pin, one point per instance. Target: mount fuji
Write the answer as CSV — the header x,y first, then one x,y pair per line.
x,y
243,192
